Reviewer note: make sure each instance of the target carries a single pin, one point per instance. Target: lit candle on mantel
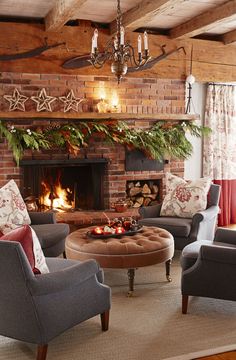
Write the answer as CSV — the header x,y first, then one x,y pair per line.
x,y
139,44
145,37
115,103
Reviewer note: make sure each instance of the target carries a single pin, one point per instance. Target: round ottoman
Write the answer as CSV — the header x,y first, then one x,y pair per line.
x,y
150,246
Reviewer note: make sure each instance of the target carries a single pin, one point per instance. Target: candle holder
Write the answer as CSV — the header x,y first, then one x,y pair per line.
x,y
102,106
116,228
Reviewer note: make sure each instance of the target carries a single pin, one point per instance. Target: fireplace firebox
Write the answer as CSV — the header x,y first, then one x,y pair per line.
x,y
74,184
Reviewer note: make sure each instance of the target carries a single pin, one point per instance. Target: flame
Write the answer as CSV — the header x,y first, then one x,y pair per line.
x,y
102,92
56,198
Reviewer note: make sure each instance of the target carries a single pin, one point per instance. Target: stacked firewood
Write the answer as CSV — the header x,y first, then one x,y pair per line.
x,y
142,194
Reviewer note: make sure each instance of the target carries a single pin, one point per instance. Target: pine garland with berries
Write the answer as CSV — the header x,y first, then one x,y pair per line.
x,y
160,140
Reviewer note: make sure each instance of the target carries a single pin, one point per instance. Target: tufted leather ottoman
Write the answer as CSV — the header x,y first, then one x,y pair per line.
x,y
150,246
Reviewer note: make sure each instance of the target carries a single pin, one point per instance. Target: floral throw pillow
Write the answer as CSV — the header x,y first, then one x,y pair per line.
x,y
184,198
13,210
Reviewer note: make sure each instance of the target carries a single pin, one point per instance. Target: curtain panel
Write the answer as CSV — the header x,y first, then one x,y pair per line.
x,y
219,151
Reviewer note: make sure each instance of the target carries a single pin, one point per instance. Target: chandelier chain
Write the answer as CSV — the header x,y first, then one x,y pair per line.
x,y
118,17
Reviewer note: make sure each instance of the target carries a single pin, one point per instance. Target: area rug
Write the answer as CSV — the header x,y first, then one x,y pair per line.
x,y
147,326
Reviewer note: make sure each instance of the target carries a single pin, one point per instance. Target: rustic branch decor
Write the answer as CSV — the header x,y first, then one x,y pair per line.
x,y
17,100
31,53
160,140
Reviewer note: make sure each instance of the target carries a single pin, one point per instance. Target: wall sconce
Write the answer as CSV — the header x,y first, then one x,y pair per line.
x,y
190,80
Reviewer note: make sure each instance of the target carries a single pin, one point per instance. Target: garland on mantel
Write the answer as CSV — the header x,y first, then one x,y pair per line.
x,y
162,139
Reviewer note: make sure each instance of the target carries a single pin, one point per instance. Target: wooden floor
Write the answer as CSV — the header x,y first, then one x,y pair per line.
x,y
224,356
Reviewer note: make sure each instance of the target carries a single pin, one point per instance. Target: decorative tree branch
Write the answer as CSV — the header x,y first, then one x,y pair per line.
x,y
30,53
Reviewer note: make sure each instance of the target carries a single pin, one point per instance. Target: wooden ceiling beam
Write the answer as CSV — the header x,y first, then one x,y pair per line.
x,y
62,12
142,13
229,37
204,21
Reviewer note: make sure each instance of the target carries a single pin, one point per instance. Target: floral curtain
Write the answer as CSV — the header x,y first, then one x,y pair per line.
x,y
219,152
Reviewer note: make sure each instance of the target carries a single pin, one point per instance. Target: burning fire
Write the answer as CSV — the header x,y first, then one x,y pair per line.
x,y
55,197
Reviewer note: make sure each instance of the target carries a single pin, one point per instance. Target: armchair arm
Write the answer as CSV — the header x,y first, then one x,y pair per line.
x,y
150,211
226,236
203,224
38,218
207,214
62,280
221,254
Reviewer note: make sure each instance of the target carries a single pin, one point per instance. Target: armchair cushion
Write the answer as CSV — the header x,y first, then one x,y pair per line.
x,y
184,198
12,207
30,243
178,227
51,235
47,233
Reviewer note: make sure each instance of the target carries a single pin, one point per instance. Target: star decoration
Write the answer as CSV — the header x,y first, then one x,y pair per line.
x,y
43,101
17,100
70,101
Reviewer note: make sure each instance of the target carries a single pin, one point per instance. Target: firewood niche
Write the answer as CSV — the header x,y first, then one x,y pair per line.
x,y
143,193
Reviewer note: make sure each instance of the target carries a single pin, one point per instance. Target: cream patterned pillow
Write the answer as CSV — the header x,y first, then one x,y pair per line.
x,y
184,198
12,207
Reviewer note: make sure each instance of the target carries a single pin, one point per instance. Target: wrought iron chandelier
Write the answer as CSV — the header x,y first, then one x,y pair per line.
x,y
119,52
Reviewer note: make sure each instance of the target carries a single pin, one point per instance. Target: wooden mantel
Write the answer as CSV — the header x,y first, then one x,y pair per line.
x,y
96,116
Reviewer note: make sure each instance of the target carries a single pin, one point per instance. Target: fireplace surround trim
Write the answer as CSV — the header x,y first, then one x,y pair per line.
x,y
64,161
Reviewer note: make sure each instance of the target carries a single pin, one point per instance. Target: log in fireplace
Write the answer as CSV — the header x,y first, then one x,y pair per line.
x,y
73,184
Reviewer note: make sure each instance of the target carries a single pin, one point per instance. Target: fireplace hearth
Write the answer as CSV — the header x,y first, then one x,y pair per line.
x,y
65,185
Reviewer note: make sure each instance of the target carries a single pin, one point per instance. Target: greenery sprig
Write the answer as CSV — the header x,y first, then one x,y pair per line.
x,y
162,139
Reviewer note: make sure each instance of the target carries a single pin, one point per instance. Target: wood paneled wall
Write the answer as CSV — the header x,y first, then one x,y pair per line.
x,y
212,61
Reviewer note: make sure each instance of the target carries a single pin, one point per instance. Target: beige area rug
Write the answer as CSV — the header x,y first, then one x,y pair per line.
x,y
148,326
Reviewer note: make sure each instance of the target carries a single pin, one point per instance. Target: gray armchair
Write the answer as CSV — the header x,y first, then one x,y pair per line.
x,y
51,234
186,230
37,308
209,268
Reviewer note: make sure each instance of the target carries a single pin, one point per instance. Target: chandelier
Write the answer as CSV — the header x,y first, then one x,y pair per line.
x,y
119,52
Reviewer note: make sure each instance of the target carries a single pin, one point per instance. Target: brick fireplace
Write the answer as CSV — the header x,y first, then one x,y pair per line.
x,y
136,96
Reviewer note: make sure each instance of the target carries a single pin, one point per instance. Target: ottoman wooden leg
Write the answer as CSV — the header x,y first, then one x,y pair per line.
x,y
168,263
131,274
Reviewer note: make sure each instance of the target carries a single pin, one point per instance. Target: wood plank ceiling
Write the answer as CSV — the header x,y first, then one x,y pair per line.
x,y
211,19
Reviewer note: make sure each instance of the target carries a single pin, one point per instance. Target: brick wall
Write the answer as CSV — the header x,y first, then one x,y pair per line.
x,y
136,95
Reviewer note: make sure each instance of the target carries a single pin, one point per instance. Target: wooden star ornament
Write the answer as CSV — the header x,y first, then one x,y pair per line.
x,y
71,102
43,101
17,100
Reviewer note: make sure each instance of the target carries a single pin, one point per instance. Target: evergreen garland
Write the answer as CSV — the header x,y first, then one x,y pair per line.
x,y
163,139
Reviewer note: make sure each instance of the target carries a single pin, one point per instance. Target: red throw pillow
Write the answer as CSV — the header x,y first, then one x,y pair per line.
x,y
23,235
